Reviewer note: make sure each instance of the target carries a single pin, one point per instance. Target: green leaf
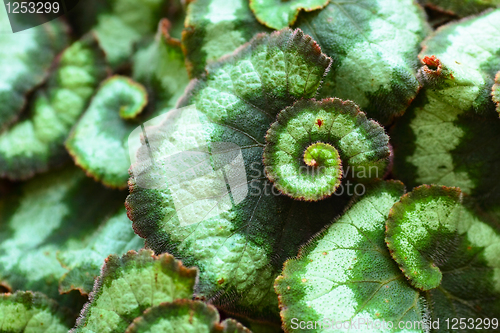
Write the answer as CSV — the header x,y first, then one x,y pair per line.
x,y
451,134
374,47
347,274
97,143
126,23
461,8
278,14
25,60
495,92
84,258
25,311
131,284
420,229
161,68
35,143
184,316
215,28
350,263
57,211
312,145
180,201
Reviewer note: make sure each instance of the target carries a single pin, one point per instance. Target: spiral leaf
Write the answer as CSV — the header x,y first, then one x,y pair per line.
x,y
421,228
311,141
346,273
103,128
210,202
350,263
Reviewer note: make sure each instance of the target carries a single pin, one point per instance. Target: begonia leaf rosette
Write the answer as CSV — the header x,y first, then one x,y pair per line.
x,y
230,220
312,142
451,134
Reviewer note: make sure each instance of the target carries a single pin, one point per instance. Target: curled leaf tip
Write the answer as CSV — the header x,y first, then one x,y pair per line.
x,y
312,141
420,229
102,128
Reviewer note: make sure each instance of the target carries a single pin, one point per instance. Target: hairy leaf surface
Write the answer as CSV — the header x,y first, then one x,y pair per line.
x,y
451,135
131,284
26,312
